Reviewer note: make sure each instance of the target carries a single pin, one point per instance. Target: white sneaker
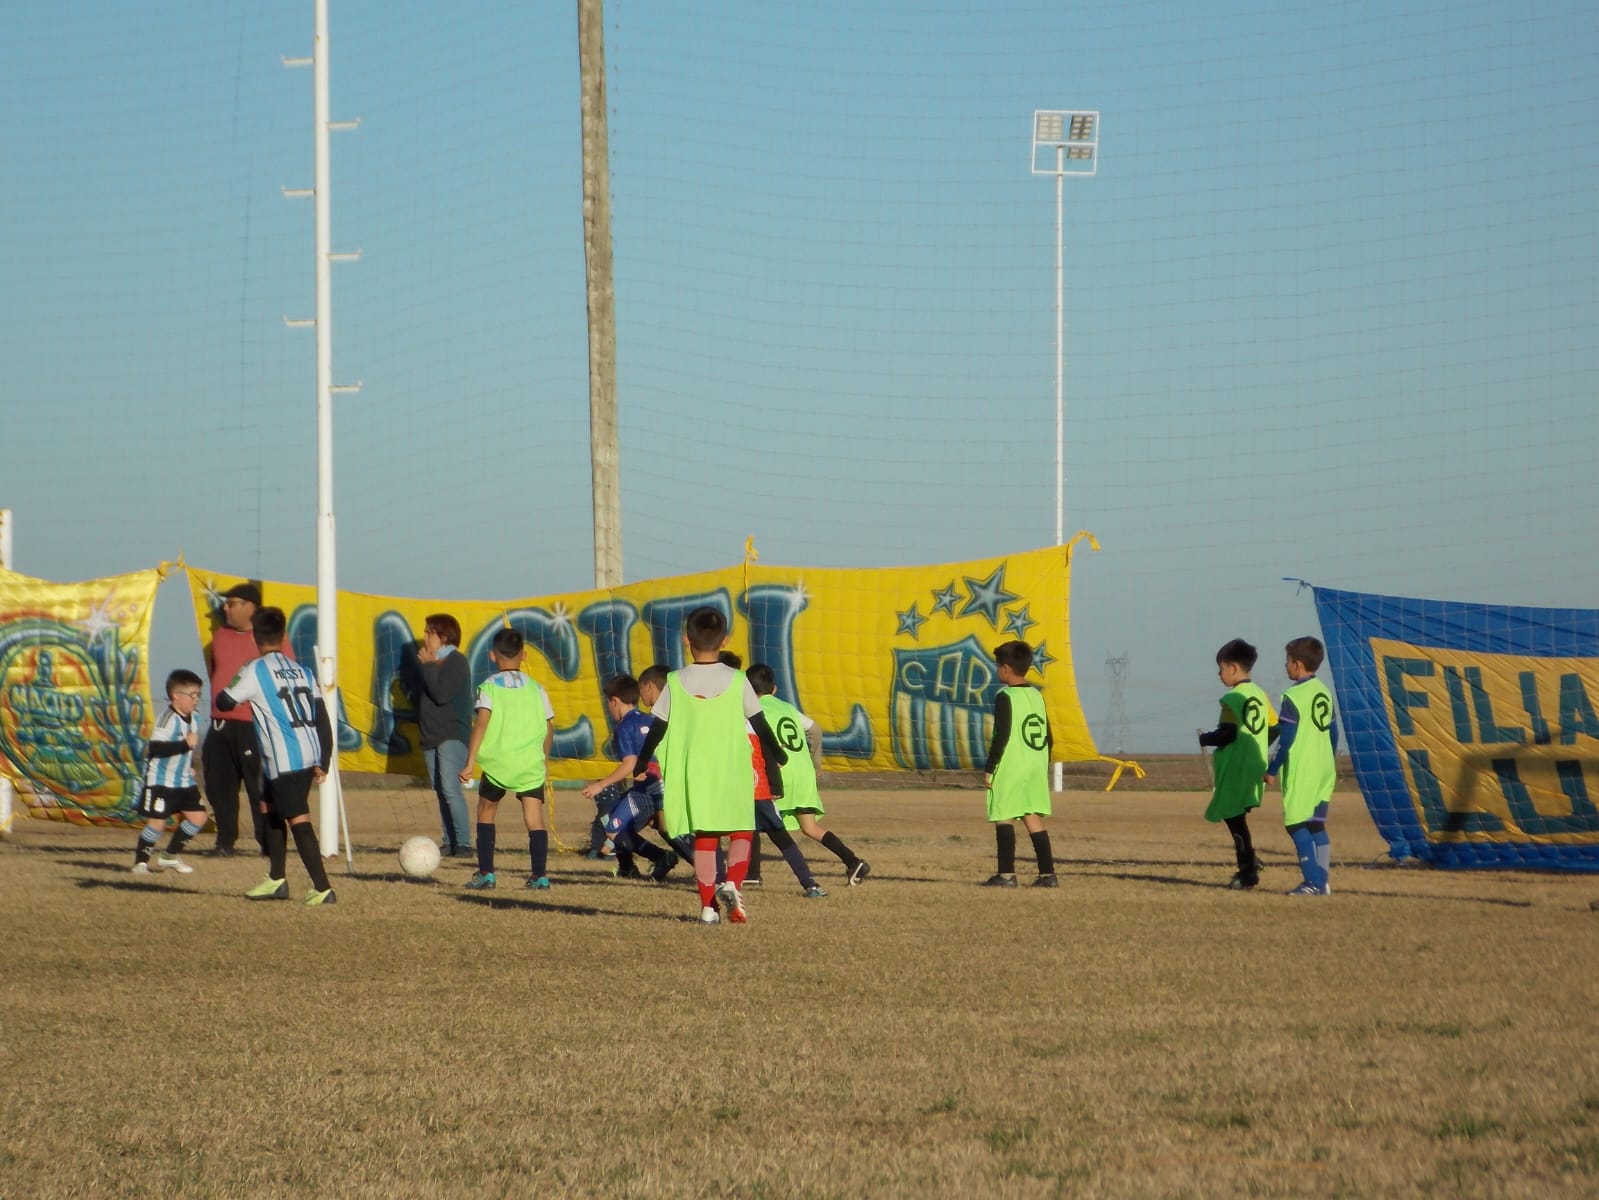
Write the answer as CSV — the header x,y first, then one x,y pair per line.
x,y
709,916
733,902
171,862
141,868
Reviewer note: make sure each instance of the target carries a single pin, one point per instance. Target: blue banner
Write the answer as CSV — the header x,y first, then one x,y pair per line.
x,y
1472,727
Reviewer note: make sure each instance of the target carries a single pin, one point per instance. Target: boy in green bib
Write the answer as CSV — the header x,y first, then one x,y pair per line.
x,y
1306,760
1240,739
511,739
1017,772
698,724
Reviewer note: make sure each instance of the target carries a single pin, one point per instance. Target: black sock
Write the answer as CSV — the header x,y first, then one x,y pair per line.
x,y
1005,843
1041,850
1243,847
538,852
597,835
685,848
485,848
755,862
792,856
305,841
648,851
833,842
277,844
147,839
181,835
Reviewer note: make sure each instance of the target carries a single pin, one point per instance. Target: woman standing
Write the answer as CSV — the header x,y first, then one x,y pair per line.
x,y
444,714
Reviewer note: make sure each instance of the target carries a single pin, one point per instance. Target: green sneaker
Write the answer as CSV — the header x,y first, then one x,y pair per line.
x,y
269,889
541,884
480,881
316,897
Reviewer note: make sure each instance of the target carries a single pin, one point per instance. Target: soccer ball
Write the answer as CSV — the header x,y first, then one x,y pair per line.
x,y
419,857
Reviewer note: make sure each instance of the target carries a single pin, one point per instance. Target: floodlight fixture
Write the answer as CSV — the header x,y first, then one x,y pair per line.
x,y
1073,136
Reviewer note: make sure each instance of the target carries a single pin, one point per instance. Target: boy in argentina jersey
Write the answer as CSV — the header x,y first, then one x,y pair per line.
x,y
296,744
169,789
1246,727
1017,772
1307,760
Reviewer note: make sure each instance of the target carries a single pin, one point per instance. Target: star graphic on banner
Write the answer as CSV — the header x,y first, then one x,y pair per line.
x,y
987,596
945,599
560,615
1041,657
910,621
1019,621
99,620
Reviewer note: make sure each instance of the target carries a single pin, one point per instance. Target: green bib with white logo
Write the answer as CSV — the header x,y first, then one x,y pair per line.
x,y
1310,772
1240,767
1021,781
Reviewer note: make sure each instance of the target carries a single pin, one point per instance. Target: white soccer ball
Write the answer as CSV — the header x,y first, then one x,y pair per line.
x,y
419,857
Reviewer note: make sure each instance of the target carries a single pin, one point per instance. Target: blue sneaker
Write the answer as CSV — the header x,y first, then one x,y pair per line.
x,y
815,892
480,881
541,884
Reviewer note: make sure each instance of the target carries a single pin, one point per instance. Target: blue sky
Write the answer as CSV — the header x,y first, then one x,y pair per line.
x,y
1332,301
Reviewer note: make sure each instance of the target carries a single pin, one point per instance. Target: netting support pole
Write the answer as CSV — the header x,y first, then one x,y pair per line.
x,y
604,452
8,793
1060,346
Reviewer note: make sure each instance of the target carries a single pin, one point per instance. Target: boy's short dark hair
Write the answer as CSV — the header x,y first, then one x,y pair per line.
x,y
268,625
508,643
1018,656
705,628
1238,652
728,659
1307,652
762,678
446,626
182,678
623,688
655,675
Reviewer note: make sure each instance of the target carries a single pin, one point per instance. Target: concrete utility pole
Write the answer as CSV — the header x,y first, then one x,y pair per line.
x,y
604,455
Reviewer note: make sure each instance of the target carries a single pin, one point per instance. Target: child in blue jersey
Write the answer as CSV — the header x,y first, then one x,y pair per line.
x,y
630,806
295,738
169,788
512,736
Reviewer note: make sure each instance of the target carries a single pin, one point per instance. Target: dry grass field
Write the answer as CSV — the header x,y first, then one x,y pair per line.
x,y
1141,1032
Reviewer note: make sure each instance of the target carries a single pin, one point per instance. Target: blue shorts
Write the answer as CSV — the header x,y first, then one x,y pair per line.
x,y
632,812
767,818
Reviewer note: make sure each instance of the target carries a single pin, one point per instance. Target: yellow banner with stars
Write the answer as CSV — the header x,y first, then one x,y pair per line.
x,y
895,664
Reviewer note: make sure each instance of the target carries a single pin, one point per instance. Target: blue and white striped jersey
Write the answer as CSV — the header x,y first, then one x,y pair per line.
x,y
284,696
173,770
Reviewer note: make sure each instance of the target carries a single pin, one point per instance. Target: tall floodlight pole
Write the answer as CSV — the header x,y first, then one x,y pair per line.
x,y
604,453
1074,137
327,595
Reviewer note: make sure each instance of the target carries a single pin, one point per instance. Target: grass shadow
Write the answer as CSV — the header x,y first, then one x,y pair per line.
x,y
143,887
482,900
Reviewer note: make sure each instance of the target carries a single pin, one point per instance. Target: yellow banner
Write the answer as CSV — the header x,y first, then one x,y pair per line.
x,y
1494,744
75,708
894,664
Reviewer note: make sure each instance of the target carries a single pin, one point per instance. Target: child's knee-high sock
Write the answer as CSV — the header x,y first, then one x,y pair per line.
x,y
684,845
738,857
147,839
833,842
277,844
1323,845
792,856
1043,851
485,847
180,836
1005,842
305,841
636,844
538,852
754,869
1305,849
1243,847
705,854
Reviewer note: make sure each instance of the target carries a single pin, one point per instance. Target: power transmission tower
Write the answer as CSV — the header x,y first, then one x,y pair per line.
x,y
1116,718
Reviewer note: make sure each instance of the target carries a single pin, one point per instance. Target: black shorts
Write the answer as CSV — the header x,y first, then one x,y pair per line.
x,y
156,802
493,792
289,795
